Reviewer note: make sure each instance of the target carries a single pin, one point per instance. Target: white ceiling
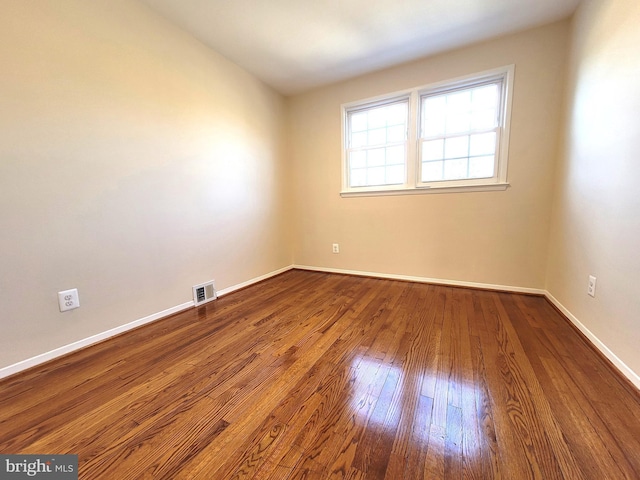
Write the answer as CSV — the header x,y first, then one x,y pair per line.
x,y
294,45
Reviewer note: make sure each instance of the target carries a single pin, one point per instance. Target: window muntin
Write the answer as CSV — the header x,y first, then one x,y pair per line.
x,y
457,137
459,133
377,144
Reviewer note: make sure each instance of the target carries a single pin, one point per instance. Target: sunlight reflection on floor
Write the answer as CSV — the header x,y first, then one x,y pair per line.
x,y
384,395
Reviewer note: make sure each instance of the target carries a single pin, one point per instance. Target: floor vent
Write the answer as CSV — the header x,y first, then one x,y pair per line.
x,y
204,293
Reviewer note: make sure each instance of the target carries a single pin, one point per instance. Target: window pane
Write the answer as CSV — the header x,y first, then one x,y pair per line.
x,y
358,177
358,122
459,102
485,97
395,156
436,105
483,144
358,139
377,136
358,159
396,134
456,147
458,123
481,167
397,114
370,131
460,111
433,127
455,169
375,176
432,171
377,117
433,150
375,157
449,120
483,119
395,174
434,112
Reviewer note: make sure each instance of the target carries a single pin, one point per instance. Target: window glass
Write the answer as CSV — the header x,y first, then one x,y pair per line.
x,y
377,138
465,123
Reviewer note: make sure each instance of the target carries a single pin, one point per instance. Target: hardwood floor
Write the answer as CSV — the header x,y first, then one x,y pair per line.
x,y
320,376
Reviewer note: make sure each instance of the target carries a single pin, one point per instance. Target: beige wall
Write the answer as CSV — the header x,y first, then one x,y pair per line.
x,y
486,237
134,163
596,214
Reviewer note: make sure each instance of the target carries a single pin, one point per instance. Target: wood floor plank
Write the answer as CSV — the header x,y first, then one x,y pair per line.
x,y
417,442
585,426
434,465
555,462
489,453
383,416
511,399
474,463
310,375
453,457
412,414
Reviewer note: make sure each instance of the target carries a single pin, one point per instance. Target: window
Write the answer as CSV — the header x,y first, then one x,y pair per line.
x,y
449,136
377,144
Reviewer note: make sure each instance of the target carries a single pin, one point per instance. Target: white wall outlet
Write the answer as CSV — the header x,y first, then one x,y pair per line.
x,y
68,300
336,248
591,289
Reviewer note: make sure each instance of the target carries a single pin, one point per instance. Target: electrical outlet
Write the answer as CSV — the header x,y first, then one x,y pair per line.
x,y
336,248
591,289
68,299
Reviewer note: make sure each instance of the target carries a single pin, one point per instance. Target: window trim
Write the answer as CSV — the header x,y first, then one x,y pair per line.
x,y
413,184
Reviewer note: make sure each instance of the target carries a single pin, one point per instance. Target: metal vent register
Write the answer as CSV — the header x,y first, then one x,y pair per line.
x,y
204,293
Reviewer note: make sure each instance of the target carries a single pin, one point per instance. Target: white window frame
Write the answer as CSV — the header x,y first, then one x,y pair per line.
x,y
413,184
399,97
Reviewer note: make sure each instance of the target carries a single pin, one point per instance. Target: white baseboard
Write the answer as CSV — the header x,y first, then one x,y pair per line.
x,y
233,288
437,281
58,352
619,364
613,358
85,342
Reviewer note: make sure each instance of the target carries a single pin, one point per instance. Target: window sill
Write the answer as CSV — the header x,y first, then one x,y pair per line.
x,y
488,187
